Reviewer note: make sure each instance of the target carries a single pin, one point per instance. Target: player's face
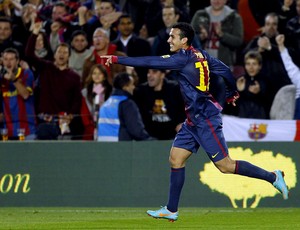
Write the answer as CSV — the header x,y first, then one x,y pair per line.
x,y
252,67
176,43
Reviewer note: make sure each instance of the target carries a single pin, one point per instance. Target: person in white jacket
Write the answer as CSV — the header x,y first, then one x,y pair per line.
x,y
293,71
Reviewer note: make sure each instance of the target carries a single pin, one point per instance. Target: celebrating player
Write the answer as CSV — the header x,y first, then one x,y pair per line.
x,y
203,126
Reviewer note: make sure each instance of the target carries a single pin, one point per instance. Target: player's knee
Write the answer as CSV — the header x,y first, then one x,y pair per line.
x,y
226,165
224,170
175,162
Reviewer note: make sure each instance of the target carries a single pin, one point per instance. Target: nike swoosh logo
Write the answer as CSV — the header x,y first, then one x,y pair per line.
x,y
162,215
213,156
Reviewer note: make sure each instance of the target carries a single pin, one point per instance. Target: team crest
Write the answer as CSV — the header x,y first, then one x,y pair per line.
x,y
199,55
257,131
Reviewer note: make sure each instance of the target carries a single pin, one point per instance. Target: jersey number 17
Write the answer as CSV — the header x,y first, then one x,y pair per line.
x,y
203,75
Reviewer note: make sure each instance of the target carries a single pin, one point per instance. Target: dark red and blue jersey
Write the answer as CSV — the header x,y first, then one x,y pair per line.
x,y
19,112
194,69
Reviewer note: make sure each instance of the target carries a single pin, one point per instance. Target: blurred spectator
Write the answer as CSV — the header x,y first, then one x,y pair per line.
x,y
60,95
105,16
22,24
62,26
10,8
292,70
293,30
161,105
6,40
59,27
42,50
119,116
96,88
17,93
42,47
102,46
220,30
136,9
252,88
80,50
131,44
153,13
273,68
143,33
58,10
286,12
170,15
283,105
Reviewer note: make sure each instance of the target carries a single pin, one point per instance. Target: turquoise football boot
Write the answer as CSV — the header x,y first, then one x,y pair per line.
x,y
279,183
164,213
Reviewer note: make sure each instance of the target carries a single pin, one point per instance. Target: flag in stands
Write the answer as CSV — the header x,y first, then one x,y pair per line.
x,y
241,129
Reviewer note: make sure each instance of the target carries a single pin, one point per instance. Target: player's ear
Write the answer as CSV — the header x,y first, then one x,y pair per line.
x,y
184,40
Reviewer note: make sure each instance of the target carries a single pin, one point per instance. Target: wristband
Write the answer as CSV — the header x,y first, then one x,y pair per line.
x,y
114,59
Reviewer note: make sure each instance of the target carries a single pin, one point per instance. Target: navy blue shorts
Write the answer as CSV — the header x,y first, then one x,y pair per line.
x,y
208,134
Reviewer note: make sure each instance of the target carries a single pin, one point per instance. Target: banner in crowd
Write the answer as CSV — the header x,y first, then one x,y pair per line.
x,y
241,129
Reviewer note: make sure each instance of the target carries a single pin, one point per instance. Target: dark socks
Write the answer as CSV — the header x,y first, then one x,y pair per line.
x,y
176,183
246,169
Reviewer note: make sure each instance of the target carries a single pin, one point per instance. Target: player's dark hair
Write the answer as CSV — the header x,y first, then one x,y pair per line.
x,y
186,31
121,80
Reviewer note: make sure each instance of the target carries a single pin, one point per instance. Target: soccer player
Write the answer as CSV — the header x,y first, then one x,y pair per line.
x,y
203,125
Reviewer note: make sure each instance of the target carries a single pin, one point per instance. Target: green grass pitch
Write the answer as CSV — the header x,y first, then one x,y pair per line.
x,y
136,218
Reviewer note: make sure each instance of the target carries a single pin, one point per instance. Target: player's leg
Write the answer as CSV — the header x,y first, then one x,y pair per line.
x,y
182,149
244,168
216,148
177,159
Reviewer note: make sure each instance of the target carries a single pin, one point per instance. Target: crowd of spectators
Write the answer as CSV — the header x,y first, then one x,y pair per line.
x,y
54,81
